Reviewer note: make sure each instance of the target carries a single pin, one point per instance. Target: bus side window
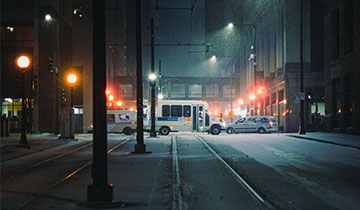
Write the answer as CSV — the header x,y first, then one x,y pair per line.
x,y
207,119
187,111
165,110
176,111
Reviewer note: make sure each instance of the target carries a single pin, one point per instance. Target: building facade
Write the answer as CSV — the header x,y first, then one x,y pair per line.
x,y
265,41
342,51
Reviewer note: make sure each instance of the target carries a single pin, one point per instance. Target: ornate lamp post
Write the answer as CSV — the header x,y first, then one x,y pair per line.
x,y
23,62
72,80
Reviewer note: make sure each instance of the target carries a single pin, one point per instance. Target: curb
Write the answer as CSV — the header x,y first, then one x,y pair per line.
x,y
324,141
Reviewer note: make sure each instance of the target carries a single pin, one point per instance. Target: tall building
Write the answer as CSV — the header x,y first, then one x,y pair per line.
x,y
342,73
264,39
42,30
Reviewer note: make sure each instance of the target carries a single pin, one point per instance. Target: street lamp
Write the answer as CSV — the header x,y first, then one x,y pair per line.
x,y
152,78
72,80
23,62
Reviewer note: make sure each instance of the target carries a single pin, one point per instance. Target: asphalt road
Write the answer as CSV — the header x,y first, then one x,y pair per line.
x,y
189,171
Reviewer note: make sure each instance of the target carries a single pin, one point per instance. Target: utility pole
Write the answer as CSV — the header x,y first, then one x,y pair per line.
x,y
302,117
160,77
140,147
100,190
152,83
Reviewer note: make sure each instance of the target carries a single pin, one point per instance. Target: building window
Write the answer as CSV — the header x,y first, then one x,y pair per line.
x,y
177,90
126,90
348,27
281,95
335,38
195,91
212,90
227,91
273,98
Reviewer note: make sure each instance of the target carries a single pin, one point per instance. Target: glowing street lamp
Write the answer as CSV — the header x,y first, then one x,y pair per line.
x,y
230,26
118,103
152,77
252,96
48,18
160,96
23,62
240,101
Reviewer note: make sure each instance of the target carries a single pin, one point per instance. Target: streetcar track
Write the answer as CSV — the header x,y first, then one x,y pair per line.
x,y
177,197
44,161
30,153
236,175
67,177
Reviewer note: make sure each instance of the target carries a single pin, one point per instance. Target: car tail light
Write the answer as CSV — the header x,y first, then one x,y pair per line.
x,y
271,124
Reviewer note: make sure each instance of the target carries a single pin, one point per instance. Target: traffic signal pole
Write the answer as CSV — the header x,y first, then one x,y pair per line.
x,y
100,190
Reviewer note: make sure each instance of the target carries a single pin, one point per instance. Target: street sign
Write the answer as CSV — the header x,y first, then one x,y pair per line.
x,y
299,98
231,114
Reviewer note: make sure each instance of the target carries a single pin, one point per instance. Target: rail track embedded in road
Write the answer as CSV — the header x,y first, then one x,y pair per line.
x,y
236,175
67,177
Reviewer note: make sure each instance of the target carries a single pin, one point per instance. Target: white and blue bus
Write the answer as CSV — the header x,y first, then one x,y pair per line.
x,y
183,115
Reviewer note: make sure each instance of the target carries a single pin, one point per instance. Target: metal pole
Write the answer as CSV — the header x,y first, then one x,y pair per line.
x,y
100,190
160,77
140,147
71,112
302,117
23,141
152,83
255,64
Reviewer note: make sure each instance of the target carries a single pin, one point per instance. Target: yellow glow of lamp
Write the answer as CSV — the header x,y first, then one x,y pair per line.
x,y
71,79
23,62
111,97
118,103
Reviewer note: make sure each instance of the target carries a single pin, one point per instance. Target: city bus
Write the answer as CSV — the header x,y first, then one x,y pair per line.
x,y
183,115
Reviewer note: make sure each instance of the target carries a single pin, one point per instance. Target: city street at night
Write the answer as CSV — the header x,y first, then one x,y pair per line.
x,y
238,171
180,104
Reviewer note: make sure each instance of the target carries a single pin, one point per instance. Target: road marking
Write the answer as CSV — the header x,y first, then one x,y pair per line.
x,y
177,198
236,175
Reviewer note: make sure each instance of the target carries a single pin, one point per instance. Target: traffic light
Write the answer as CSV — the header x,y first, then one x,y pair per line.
x,y
51,65
63,94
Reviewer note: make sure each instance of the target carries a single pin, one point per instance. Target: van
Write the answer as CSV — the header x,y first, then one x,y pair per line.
x,y
119,121
253,124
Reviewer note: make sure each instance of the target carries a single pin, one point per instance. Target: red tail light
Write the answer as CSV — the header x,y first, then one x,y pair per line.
x,y
271,124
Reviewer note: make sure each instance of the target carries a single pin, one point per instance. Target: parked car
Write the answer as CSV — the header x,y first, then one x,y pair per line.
x,y
260,124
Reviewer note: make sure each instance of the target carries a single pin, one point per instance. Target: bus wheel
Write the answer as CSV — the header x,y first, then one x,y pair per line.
x,y
164,130
215,130
230,131
127,131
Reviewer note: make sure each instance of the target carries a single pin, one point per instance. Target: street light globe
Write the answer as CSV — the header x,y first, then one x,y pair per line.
x,y
230,26
118,103
71,78
48,17
23,61
152,77
240,102
252,96
160,96
111,97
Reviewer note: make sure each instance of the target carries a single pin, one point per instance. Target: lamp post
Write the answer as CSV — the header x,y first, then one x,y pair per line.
x,y
71,79
23,62
302,117
152,78
252,98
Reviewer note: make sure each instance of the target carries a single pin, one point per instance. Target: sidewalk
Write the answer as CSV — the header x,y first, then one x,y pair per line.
x,y
345,140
